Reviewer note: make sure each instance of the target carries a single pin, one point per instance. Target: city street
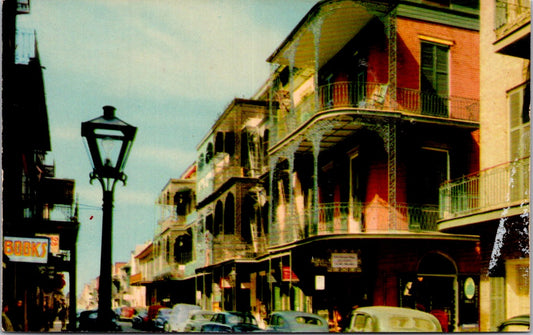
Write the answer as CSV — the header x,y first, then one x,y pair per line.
x,y
127,328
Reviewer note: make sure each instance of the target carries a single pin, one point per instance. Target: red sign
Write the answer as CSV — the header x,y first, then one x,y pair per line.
x,y
288,274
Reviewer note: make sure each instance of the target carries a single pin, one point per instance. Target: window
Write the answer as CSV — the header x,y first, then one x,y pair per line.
x,y
519,105
519,108
209,153
434,79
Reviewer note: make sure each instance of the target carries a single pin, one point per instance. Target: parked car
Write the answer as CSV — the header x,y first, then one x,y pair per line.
x,y
515,324
235,322
127,313
179,315
161,320
392,319
152,314
88,321
141,320
197,319
299,322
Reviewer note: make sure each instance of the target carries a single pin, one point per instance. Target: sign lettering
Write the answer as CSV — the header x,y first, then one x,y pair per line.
x,y
28,250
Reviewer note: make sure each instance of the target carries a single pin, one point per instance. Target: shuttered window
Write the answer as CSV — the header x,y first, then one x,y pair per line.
x,y
519,104
434,79
435,68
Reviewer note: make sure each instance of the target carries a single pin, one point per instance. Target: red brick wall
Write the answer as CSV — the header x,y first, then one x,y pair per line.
x,y
464,55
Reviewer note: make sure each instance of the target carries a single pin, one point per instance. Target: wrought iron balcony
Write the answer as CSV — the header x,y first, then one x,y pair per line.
x,y
495,188
358,218
228,247
511,14
372,97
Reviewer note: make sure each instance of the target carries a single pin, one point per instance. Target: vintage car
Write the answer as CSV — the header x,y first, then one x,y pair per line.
x,y
160,322
178,317
233,322
387,319
299,322
197,319
515,324
88,321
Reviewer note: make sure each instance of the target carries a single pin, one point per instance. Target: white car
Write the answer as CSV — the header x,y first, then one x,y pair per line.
x,y
386,319
196,319
179,315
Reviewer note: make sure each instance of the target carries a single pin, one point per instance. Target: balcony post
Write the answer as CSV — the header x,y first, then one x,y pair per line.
x,y
392,34
315,135
316,29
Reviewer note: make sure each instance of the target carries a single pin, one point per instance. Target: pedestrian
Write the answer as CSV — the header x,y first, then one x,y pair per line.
x,y
44,316
17,316
62,313
7,326
336,320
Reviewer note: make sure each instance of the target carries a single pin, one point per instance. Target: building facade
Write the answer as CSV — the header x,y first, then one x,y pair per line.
x,y
370,113
494,201
357,174
39,214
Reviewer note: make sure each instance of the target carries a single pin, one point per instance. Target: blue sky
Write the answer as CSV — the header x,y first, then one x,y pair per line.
x,y
169,67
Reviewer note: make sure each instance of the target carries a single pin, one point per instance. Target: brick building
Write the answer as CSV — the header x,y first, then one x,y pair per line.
x,y
494,201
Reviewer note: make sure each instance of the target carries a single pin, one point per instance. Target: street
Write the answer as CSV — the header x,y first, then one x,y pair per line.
x,y
126,327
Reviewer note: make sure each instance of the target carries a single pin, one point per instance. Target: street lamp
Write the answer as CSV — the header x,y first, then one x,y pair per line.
x,y
108,140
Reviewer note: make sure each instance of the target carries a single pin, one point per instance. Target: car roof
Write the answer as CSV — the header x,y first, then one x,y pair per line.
x,y
380,310
294,313
519,319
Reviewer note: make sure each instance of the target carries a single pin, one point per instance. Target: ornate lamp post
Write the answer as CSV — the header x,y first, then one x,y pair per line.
x,y
108,141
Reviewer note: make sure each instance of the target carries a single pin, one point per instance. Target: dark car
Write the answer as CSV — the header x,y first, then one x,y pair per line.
x,y
161,319
141,320
231,322
515,324
88,321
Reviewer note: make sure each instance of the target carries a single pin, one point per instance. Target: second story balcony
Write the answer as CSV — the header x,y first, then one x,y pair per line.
x,y
373,97
353,218
512,27
511,14
229,247
493,189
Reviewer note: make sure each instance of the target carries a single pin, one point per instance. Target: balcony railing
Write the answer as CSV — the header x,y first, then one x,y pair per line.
x,y
64,213
375,96
511,14
346,218
225,167
226,247
486,190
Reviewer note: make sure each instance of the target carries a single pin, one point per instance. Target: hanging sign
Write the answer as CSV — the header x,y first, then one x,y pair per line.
x,y
288,274
469,288
345,262
28,250
54,242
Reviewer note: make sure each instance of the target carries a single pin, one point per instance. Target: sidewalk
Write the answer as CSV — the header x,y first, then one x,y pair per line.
x,y
56,328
